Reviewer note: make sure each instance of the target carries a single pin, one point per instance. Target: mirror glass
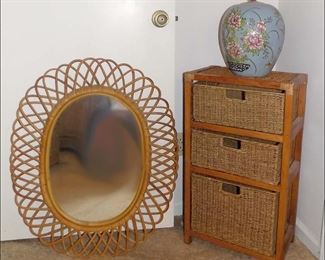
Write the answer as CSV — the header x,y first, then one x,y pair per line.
x,y
95,159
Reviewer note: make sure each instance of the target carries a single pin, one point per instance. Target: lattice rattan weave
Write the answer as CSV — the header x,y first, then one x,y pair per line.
x,y
246,219
258,110
255,159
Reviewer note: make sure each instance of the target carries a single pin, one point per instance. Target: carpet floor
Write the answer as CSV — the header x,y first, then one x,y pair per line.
x,y
165,244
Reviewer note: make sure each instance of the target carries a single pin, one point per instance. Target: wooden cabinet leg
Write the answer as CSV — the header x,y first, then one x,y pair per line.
x,y
187,239
294,202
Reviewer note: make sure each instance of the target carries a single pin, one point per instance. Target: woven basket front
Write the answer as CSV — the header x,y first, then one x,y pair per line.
x,y
247,219
238,106
255,159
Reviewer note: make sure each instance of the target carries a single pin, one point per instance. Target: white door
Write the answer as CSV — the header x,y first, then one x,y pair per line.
x,y
39,35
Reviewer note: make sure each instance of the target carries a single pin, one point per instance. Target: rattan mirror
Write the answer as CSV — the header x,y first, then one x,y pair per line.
x,y
93,157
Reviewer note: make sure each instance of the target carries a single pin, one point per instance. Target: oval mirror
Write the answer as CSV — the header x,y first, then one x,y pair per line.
x,y
95,159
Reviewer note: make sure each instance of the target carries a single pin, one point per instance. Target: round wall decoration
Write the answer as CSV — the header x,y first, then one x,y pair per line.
x,y
94,157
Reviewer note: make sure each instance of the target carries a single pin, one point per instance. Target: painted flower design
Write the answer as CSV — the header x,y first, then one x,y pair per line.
x,y
234,20
254,41
261,26
234,50
250,35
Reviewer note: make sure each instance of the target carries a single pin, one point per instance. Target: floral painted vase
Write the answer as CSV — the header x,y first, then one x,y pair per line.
x,y
251,37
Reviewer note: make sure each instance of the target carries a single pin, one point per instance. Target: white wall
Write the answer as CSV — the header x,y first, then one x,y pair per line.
x,y
304,52
196,46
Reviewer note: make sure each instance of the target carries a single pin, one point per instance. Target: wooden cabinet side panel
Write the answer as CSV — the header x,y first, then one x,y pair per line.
x,y
187,156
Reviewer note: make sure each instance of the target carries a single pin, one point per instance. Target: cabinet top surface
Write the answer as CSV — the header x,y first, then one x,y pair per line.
x,y
223,74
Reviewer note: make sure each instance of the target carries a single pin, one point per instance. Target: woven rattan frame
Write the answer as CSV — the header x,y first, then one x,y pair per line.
x,y
28,155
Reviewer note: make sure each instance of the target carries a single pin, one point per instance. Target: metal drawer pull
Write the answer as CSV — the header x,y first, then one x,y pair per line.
x,y
231,143
226,187
235,94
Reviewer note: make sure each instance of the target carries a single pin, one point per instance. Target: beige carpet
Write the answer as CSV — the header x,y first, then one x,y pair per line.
x,y
166,244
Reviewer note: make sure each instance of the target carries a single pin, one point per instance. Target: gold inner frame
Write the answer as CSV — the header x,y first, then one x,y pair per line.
x,y
46,147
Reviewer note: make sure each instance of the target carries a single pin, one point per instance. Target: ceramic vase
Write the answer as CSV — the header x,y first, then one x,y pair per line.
x,y
251,37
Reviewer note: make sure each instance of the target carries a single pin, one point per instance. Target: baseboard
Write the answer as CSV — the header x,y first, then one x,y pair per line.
x,y
307,238
322,256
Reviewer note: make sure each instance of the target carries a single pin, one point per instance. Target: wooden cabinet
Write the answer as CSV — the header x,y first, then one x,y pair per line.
x,y
242,150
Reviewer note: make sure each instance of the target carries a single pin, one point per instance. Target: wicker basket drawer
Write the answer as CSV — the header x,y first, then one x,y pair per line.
x,y
237,106
255,159
234,213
